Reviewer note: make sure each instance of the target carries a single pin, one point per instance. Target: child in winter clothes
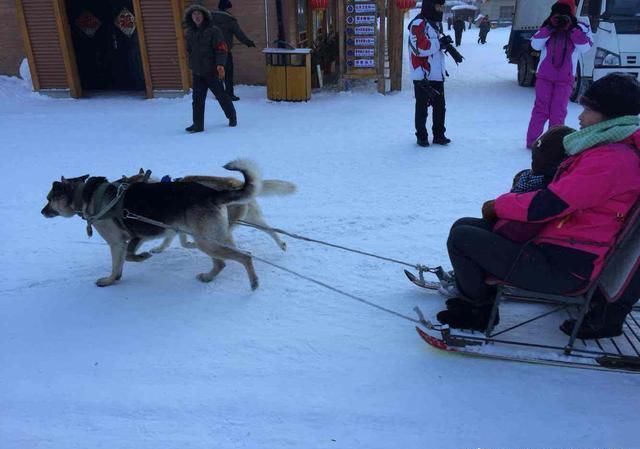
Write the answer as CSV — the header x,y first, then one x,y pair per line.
x,y
583,210
560,39
547,155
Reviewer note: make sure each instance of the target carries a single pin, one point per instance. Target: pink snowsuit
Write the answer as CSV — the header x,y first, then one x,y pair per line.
x,y
559,51
587,202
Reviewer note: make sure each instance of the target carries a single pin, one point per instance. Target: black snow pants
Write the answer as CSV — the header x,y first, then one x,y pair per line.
x,y
228,75
201,84
422,110
476,252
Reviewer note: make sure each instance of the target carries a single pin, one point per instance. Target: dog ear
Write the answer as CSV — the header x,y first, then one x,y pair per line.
x,y
62,179
83,178
141,171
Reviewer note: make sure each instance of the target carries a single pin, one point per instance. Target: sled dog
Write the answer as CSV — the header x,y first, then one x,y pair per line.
x,y
188,206
249,211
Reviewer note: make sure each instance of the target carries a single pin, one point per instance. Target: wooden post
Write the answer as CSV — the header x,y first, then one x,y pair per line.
x,y
395,47
381,45
27,45
66,46
341,50
143,49
182,54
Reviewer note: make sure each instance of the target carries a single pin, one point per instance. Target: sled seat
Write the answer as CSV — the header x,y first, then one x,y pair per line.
x,y
620,264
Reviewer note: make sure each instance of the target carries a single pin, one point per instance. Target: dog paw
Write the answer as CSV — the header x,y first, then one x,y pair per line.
x,y
283,246
204,277
138,257
105,282
254,284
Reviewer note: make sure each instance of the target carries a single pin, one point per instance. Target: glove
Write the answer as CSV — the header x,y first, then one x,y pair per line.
x,y
445,40
251,44
220,70
489,210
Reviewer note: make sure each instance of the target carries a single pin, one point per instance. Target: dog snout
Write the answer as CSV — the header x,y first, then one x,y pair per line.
x,y
48,211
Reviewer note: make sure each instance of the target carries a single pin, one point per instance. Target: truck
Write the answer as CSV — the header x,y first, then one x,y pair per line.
x,y
615,28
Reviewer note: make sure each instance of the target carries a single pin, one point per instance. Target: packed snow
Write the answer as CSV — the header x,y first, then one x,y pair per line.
x,y
161,360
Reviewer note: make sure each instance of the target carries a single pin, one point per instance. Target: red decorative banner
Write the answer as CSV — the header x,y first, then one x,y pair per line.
x,y
88,23
126,22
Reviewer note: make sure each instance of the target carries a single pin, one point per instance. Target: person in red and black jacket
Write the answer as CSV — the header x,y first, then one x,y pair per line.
x,y
207,51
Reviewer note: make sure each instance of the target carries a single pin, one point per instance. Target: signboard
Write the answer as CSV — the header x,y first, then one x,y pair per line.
x,y
361,37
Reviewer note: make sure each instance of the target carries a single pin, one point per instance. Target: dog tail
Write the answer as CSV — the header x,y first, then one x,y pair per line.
x,y
252,182
276,187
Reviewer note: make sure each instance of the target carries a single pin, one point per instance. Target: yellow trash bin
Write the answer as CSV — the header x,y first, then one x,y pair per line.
x,y
288,74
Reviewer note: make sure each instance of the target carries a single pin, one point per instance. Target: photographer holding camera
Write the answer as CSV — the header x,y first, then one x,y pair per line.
x,y
426,53
559,40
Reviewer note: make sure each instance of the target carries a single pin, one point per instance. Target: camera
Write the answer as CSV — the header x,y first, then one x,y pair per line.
x,y
446,43
560,21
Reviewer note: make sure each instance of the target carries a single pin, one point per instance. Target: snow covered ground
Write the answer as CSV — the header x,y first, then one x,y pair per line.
x,y
161,360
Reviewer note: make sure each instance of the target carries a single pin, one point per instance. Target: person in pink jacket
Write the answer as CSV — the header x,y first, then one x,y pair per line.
x,y
582,211
560,40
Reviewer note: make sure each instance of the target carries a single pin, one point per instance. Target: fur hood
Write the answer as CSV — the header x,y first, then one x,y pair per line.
x,y
187,22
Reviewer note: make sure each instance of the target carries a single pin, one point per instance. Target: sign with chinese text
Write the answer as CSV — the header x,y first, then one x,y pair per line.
x,y
362,37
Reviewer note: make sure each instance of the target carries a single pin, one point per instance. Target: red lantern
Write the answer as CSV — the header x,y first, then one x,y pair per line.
x,y
404,5
319,4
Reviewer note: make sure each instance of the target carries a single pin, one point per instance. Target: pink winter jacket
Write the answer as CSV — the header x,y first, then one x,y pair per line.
x,y
587,202
559,51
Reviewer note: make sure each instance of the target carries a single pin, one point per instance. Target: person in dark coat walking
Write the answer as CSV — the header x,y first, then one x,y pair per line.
x,y
458,28
449,23
485,27
207,56
224,20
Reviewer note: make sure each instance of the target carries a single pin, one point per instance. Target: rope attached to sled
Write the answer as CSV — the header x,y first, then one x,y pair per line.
x,y
132,216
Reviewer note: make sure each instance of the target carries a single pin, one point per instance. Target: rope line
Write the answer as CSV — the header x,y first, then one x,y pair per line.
x,y
308,239
132,216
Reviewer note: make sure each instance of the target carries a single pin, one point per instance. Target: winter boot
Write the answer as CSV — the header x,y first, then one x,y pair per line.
x,y
604,320
468,317
194,129
456,302
441,140
233,122
422,142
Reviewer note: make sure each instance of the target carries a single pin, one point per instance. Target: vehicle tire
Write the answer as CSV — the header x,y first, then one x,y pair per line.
x,y
526,70
579,86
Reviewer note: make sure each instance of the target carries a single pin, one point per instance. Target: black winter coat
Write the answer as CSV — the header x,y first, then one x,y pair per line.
x,y
205,44
230,28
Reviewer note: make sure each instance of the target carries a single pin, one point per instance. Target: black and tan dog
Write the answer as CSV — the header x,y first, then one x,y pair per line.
x,y
189,207
248,211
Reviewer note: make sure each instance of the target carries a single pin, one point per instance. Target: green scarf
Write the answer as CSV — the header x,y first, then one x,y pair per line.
x,y
608,131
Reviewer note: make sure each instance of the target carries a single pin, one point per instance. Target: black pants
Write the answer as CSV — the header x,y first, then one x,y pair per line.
x,y
200,86
476,252
228,75
422,106
458,38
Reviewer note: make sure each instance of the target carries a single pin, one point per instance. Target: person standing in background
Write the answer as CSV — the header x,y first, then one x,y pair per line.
x,y
428,71
207,52
458,28
224,20
560,39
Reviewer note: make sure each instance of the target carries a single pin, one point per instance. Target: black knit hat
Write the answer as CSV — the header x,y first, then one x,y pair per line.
x,y
224,5
429,12
614,95
548,150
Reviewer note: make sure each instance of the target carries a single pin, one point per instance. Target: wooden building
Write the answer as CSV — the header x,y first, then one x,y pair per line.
x,y
76,47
